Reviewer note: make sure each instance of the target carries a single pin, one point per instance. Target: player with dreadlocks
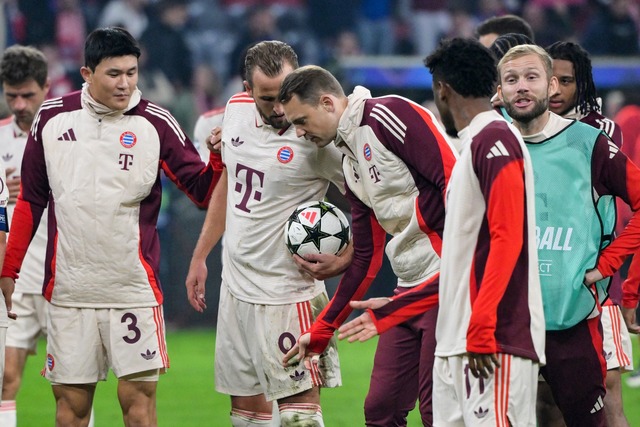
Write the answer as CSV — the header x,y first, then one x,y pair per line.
x,y
576,98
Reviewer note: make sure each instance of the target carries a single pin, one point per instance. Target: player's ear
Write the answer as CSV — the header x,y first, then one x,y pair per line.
x,y
86,74
247,86
327,103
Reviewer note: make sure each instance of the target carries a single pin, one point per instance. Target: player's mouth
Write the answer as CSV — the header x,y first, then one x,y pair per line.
x,y
555,104
523,102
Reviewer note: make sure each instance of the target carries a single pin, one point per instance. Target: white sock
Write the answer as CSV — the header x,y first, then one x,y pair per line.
x,y
242,418
91,419
298,414
8,415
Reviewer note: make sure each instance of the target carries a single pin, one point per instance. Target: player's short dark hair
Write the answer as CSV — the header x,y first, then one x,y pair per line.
x,y
109,42
586,96
466,65
22,63
503,25
270,57
503,43
309,83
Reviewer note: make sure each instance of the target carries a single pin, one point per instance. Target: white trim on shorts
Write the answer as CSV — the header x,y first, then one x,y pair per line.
x,y
616,339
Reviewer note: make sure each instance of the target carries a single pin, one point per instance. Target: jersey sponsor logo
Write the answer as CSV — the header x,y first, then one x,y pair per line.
x,y
50,362
374,174
128,139
247,189
367,152
69,135
125,161
497,150
7,157
148,355
554,238
285,154
236,142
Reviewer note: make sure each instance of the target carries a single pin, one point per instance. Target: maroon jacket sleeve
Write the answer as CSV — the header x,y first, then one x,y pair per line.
x,y
368,245
614,174
500,264
180,160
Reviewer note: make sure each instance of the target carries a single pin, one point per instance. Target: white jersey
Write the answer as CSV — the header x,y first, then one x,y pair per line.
x,y
202,129
270,172
12,143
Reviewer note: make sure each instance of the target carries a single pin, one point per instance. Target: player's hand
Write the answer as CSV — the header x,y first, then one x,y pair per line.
x,y
7,285
592,276
362,327
195,283
324,266
299,352
13,185
629,315
481,365
214,140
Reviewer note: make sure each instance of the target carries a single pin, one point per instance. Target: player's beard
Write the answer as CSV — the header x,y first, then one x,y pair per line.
x,y
277,122
541,105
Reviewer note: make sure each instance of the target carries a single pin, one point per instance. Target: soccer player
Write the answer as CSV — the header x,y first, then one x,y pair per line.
x,y
575,98
265,300
489,276
397,165
578,172
490,29
94,156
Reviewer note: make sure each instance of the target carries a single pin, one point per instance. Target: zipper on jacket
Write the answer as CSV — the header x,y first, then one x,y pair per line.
x,y
100,128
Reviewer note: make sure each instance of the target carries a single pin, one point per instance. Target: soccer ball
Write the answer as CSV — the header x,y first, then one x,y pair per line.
x,y
317,227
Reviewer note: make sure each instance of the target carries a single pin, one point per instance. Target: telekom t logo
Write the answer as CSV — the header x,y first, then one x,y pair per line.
x,y
125,161
247,190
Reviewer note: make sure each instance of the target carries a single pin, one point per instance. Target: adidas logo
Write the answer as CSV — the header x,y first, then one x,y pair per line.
x,y
613,149
598,406
68,136
236,142
148,355
481,413
607,356
310,216
7,157
297,376
497,150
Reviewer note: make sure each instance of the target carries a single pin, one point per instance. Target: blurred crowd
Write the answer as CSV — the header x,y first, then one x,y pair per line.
x,y
192,48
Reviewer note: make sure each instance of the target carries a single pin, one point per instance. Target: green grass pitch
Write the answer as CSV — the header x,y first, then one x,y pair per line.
x,y
186,396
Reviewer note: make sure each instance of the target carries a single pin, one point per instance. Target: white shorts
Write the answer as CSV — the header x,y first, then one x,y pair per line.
x,y
251,340
460,399
83,343
617,341
31,323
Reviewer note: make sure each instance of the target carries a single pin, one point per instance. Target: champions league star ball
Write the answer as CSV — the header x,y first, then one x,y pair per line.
x,y
317,227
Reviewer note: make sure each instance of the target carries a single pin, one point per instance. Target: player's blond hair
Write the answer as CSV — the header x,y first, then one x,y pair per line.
x,y
524,50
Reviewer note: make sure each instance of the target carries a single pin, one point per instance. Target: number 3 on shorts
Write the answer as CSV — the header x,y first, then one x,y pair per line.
x,y
133,321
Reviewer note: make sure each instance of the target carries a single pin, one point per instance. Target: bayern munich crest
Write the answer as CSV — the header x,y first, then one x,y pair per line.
x,y
50,362
367,152
285,154
128,139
